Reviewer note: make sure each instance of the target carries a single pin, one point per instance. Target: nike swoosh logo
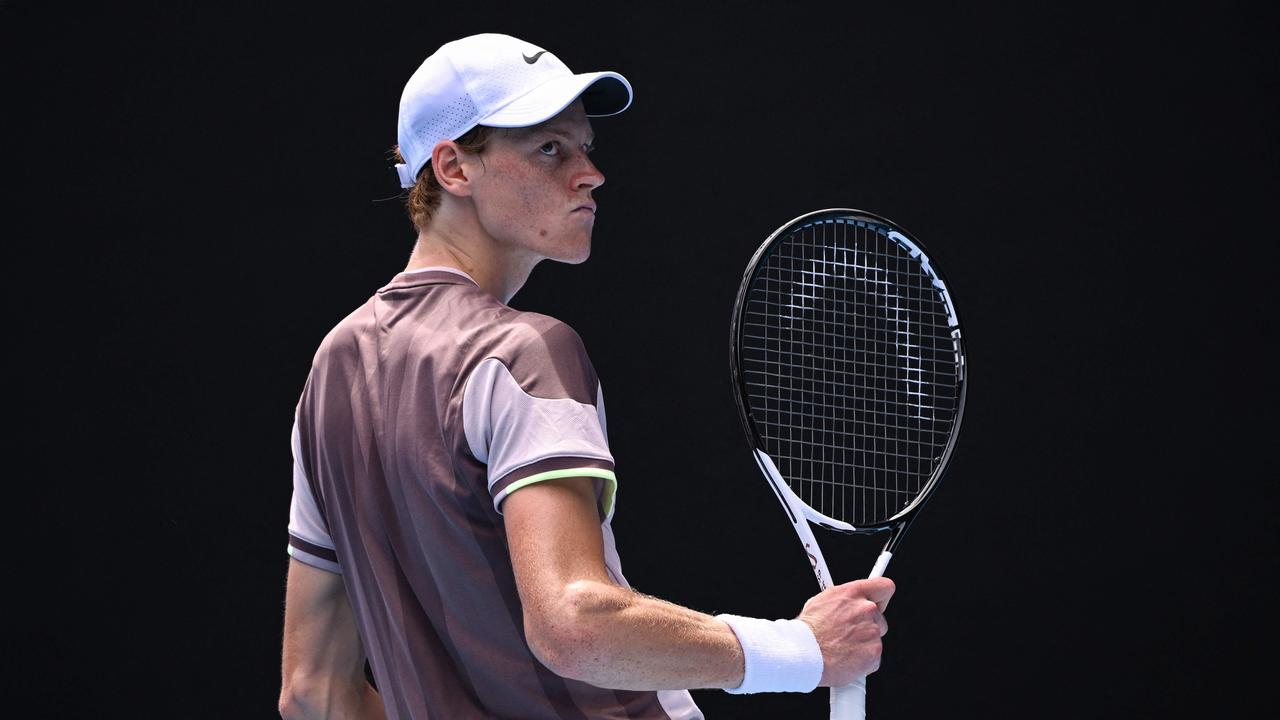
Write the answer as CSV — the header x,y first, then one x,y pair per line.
x,y
532,60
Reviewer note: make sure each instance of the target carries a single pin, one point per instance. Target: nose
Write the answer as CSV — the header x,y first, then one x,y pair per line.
x,y
589,176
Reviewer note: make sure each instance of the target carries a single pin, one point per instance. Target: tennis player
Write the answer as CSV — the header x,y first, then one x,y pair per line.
x,y
453,485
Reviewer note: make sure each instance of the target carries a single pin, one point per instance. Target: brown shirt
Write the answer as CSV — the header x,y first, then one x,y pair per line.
x,y
424,409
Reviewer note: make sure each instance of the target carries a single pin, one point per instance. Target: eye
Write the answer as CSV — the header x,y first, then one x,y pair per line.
x,y
549,148
588,148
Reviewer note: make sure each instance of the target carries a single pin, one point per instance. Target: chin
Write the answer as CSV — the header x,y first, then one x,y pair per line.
x,y
575,254
578,258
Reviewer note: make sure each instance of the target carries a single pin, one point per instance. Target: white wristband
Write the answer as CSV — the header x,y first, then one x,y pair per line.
x,y
781,655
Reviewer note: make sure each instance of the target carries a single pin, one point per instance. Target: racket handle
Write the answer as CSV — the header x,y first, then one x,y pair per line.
x,y
882,564
850,702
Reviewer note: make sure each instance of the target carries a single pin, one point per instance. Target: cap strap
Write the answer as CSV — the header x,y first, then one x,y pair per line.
x,y
407,180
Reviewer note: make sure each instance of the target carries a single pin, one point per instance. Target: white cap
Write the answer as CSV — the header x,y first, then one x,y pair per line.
x,y
494,80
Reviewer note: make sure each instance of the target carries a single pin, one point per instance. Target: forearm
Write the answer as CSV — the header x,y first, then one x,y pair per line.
x,y
617,638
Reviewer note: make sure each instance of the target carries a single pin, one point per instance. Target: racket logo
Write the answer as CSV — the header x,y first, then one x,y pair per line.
x,y
813,560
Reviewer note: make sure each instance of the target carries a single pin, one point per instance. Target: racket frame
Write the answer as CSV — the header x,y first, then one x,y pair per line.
x,y
847,702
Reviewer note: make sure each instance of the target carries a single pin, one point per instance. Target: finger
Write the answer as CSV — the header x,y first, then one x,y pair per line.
x,y
878,591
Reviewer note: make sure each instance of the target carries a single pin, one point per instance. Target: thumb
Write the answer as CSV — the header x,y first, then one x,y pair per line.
x,y
879,590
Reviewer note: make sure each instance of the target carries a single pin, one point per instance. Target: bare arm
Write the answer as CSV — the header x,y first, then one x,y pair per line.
x,y
583,626
323,658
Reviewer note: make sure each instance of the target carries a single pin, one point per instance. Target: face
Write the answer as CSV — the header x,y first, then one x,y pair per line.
x,y
532,188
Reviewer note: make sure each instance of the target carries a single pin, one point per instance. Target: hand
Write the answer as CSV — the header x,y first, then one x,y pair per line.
x,y
848,622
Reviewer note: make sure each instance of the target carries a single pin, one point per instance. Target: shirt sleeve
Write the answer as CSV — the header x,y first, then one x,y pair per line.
x,y
309,540
539,415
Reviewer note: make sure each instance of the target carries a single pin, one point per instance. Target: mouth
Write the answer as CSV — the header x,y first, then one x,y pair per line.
x,y
587,208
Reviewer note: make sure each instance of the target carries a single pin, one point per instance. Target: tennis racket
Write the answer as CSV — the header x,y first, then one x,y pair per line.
x,y
849,372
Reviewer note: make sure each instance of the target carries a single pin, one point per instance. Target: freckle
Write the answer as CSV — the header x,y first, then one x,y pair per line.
x,y
542,233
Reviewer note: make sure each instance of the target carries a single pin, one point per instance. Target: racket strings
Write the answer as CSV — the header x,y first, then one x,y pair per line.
x,y
850,367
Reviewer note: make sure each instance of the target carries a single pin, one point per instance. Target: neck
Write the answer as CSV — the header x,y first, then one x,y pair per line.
x,y
455,238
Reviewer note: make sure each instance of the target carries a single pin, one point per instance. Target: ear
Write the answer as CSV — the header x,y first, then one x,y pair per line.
x,y
454,169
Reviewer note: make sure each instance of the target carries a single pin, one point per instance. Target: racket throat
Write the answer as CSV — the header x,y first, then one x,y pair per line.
x,y
896,534
882,562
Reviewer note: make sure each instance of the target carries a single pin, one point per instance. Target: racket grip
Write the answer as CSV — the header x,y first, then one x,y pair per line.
x,y
850,702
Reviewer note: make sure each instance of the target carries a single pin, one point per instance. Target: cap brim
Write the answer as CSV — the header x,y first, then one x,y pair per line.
x,y
602,93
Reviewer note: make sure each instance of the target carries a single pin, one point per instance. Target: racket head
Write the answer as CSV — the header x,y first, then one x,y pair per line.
x,y
849,369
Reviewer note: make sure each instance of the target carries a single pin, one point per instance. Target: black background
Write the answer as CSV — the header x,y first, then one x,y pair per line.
x,y
198,193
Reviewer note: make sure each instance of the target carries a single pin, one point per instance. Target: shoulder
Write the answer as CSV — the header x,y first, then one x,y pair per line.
x,y
547,358
342,340
535,333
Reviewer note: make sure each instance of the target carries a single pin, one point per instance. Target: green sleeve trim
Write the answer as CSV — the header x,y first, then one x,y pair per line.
x,y
611,484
